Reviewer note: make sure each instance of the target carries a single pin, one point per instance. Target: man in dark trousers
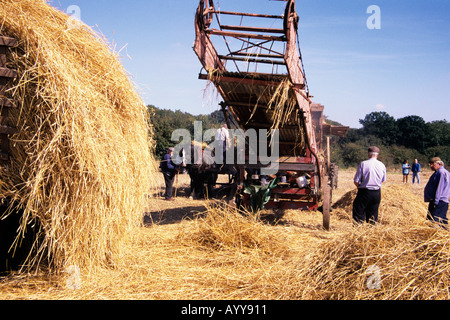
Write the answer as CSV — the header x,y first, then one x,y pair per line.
x,y
169,170
369,178
416,169
437,192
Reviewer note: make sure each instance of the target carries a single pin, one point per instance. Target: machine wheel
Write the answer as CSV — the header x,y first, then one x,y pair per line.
x,y
326,198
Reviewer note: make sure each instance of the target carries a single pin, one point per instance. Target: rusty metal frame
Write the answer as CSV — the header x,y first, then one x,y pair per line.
x,y
244,91
246,94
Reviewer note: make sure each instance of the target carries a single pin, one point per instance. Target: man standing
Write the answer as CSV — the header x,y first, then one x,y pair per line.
x,y
369,177
416,169
223,138
437,192
169,170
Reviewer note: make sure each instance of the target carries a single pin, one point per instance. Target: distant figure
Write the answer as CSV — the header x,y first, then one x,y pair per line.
x,y
223,136
405,171
169,170
437,192
369,178
416,169
196,171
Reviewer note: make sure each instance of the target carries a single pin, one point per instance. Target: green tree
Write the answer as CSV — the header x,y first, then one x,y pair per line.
x,y
412,132
442,152
352,154
382,126
395,155
438,133
166,121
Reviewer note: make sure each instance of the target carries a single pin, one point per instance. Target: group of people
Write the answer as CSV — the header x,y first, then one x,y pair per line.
x,y
416,168
369,178
371,174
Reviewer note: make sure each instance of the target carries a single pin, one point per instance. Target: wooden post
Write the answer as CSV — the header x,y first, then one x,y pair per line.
x,y
328,154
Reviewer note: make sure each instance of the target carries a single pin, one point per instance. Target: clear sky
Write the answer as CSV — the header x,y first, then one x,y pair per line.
x,y
402,68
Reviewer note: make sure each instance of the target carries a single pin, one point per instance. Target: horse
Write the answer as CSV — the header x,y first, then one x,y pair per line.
x,y
203,169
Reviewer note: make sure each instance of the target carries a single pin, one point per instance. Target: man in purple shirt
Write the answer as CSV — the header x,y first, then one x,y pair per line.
x,y
369,177
437,192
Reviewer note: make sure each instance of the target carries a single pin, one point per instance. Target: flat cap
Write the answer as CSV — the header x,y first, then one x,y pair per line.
x,y
435,159
374,150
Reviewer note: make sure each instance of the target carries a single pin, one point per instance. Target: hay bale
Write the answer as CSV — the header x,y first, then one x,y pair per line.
x,y
401,206
225,228
410,263
81,160
410,256
398,205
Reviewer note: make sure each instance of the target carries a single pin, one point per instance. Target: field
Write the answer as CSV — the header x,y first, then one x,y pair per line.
x,y
192,249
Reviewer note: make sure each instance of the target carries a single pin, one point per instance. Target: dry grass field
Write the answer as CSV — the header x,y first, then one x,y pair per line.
x,y
82,168
192,249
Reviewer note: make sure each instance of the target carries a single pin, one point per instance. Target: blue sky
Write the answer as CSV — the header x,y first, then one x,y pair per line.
x,y
403,68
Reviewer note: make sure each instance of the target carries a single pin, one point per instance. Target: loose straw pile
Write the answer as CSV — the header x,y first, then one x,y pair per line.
x,y
226,255
81,161
403,257
281,104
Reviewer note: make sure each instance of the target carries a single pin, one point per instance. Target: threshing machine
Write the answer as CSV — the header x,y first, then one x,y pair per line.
x,y
255,63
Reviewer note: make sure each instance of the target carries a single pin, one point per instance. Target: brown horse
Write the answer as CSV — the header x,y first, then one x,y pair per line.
x,y
203,170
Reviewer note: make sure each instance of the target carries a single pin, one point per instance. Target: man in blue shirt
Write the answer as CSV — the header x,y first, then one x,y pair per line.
x,y
369,177
437,192
416,169
169,170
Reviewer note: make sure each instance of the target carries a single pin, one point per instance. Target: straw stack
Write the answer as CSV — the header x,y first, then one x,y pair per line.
x,y
281,104
81,162
403,257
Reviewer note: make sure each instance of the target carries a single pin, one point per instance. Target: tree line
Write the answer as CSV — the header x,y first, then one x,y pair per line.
x,y
406,138
164,122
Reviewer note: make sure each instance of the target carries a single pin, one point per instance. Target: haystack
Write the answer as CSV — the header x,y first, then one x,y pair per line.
x,y
403,257
81,163
398,205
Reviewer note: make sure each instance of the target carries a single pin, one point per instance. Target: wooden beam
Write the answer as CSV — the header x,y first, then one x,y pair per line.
x,y
245,35
242,80
247,78
250,105
258,55
269,125
7,73
8,42
338,131
204,48
252,29
266,61
308,167
7,130
247,14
